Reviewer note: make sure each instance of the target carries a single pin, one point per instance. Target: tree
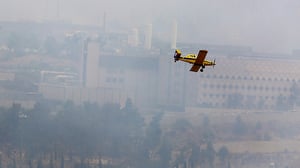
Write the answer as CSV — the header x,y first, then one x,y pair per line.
x,y
210,154
165,153
15,44
51,164
9,126
51,46
223,154
294,98
62,161
153,132
207,134
239,127
1,166
195,156
181,125
100,162
39,163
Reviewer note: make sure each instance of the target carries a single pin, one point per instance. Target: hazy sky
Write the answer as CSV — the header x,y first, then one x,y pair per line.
x,y
266,25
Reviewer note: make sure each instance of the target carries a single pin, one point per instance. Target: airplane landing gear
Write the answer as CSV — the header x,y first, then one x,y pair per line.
x,y
202,67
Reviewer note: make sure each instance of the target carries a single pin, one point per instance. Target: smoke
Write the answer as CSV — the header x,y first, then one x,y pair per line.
x,y
267,26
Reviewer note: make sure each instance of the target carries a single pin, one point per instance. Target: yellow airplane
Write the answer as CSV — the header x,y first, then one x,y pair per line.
x,y
198,62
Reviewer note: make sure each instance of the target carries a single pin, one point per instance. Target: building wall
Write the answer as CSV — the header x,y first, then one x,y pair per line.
x,y
92,63
171,87
235,82
80,95
256,83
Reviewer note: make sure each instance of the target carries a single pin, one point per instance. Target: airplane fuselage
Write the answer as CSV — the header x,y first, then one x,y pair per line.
x,y
191,58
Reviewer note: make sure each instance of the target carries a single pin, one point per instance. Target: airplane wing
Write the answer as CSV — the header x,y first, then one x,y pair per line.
x,y
195,68
199,60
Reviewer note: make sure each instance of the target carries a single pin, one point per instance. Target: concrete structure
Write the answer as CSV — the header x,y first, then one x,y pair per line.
x,y
148,37
174,35
91,65
245,82
133,37
156,81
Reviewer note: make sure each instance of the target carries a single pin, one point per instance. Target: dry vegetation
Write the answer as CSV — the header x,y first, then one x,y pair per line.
x,y
266,132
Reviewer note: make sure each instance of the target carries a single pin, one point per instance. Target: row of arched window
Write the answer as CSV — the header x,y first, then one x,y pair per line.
x,y
224,96
243,87
215,76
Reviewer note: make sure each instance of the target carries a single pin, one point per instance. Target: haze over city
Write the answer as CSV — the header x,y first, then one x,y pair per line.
x,y
267,26
96,84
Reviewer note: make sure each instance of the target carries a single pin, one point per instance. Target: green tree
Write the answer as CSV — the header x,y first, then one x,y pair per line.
x,y
154,132
15,44
195,156
30,163
239,127
207,133
223,154
51,46
51,162
165,153
210,154
100,165
62,161
39,163
9,126
1,166
294,98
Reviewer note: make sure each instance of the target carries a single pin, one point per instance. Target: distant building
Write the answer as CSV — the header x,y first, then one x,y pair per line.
x,y
235,82
245,82
148,36
92,65
154,80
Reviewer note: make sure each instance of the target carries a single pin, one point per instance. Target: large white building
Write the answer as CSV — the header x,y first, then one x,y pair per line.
x,y
245,82
156,81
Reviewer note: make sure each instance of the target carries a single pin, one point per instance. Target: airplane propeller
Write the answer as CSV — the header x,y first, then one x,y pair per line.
x,y
214,63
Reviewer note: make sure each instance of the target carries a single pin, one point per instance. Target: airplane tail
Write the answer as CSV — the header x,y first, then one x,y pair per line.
x,y
177,55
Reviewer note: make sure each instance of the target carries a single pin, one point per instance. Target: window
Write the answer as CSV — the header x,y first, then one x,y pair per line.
x,y
236,87
121,80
